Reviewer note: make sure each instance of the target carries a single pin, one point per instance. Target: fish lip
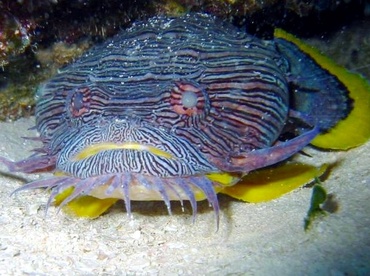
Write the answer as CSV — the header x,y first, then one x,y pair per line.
x,y
122,146
95,149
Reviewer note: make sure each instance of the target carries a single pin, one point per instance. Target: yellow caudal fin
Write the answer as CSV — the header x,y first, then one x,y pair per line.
x,y
270,183
354,129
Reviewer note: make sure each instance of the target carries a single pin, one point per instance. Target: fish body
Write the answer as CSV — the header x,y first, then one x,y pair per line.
x,y
137,83
168,107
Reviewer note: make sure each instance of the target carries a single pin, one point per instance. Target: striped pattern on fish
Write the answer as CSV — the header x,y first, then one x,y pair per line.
x,y
161,106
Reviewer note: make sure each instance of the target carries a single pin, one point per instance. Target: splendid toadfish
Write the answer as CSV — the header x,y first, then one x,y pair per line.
x,y
183,108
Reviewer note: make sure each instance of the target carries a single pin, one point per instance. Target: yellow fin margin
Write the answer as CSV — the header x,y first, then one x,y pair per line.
x,y
354,130
84,206
268,184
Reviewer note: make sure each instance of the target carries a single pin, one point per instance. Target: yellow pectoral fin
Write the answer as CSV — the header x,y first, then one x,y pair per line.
x,y
84,206
225,179
354,130
268,184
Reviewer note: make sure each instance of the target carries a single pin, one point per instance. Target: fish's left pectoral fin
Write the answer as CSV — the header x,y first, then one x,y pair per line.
x,y
84,206
270,183
264,157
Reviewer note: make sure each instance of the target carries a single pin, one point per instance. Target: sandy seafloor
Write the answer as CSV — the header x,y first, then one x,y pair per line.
x,y
254,239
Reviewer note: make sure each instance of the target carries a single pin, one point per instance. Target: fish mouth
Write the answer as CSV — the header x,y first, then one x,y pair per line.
x,y
131,161
127,147
127,161
194,183
141,187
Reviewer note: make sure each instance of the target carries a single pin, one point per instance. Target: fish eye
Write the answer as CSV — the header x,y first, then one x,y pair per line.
x,y
79,102
189,98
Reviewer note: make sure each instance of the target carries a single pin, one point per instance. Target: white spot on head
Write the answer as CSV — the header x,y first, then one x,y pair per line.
x,y
189,99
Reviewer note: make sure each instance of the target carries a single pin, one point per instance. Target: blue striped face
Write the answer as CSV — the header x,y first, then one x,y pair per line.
x,y
161,106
